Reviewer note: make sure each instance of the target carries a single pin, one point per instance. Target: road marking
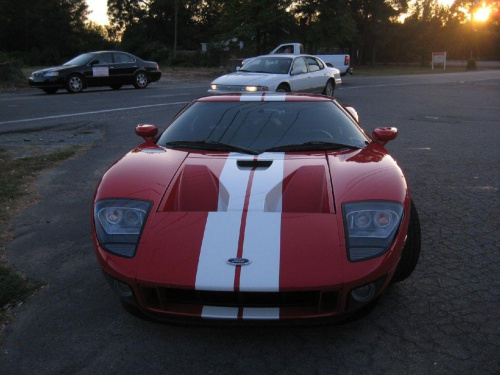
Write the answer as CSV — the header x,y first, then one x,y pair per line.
x,y
90,113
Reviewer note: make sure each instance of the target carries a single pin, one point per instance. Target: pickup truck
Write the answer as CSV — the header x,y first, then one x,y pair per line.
x,y
341,62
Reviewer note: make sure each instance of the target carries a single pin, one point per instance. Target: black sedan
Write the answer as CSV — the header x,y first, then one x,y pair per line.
x,y
103,68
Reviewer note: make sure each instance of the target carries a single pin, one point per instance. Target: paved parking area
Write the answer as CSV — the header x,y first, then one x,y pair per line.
x,y
445,319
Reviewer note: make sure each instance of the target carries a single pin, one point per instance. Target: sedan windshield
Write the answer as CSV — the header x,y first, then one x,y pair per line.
x,y
256,127
272,65
81,59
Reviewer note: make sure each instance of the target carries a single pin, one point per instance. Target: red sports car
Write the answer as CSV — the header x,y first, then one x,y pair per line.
x,y
256,207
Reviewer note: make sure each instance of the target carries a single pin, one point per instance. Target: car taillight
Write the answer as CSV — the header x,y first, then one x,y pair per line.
x,y
346,60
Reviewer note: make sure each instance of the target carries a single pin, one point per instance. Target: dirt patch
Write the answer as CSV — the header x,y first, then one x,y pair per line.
x,y
30,142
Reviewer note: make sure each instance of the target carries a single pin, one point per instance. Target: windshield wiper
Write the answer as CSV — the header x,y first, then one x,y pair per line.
x,y
210,145
313,146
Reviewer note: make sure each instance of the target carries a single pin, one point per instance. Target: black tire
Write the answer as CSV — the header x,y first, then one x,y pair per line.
x,y
116,86
329,89
74,83
50,90
283,88
141,80
411,251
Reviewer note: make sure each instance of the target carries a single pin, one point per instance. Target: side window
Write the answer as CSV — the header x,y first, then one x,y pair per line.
x,y
285,49
121,58
299,63
104,58
313,64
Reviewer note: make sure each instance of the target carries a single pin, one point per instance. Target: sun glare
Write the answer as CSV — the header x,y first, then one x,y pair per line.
x,y
482,14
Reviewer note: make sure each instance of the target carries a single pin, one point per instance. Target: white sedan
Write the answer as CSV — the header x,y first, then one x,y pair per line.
x,y
283,73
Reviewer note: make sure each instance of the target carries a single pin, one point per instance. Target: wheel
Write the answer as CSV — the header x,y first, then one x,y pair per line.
x,y
283,88
74,83
329,89
50,90
116,86
411,251
141,80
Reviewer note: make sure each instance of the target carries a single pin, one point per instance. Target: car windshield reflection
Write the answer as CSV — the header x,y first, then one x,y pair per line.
x,y
261,126
81,59
271,65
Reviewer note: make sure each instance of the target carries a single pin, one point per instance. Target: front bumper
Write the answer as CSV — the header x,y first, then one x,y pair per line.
x,y
46,82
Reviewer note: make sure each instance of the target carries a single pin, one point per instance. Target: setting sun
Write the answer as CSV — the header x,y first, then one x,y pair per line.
x,y
482,14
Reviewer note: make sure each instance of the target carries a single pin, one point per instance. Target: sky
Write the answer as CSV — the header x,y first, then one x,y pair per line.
x,y
99,9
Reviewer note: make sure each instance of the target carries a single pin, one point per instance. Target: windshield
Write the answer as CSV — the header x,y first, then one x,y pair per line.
x,y
273,65
264,126
81,59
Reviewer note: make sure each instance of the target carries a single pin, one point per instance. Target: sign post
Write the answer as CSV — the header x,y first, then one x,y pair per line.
x,y
439,58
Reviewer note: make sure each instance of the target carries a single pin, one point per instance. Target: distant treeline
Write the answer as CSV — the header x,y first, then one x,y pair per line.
x,y
40,32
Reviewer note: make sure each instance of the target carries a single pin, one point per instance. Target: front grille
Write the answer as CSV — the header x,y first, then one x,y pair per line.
x,y
164,298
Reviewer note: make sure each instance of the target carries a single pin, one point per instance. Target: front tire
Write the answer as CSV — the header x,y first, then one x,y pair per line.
x,y
411,251
329,89
283,88
141,80
74,83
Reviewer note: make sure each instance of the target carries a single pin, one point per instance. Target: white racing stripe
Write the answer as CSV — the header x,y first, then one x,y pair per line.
x,y
217,312
220,243
256,313
262,234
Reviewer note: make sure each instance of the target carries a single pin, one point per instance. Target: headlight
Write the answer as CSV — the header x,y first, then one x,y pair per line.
x,y
256,88
119,224
370,228
213,87
50,74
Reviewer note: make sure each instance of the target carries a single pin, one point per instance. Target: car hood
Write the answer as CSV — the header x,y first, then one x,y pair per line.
x,y
54,68
278,211
241,78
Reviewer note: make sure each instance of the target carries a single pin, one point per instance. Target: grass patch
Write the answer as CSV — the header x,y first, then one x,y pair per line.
x,y
16,176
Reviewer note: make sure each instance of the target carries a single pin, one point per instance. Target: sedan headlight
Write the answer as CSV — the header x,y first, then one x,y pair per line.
x,y
370,228
50,74
256,88
214,87
119,224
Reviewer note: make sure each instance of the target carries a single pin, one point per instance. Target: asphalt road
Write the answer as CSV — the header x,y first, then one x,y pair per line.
x,y
445,319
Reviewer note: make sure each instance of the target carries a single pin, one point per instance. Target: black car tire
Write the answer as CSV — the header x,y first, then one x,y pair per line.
x,y
411,251
116,86
141,80
74,83
50,90
329,89
283,88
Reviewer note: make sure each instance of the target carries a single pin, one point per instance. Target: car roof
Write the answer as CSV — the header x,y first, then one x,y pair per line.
x,y
266,97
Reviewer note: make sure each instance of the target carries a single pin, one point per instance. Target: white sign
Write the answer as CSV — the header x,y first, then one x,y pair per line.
x,y
100,71
439,58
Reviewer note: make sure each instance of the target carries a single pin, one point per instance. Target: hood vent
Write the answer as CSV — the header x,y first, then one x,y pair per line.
x,y
262,164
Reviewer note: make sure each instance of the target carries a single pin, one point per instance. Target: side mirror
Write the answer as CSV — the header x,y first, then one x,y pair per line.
x,y
330,65
238,68
94,62
384,135
352,112
146,131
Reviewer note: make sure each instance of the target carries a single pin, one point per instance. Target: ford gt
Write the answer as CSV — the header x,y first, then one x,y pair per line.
x,y
256,208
